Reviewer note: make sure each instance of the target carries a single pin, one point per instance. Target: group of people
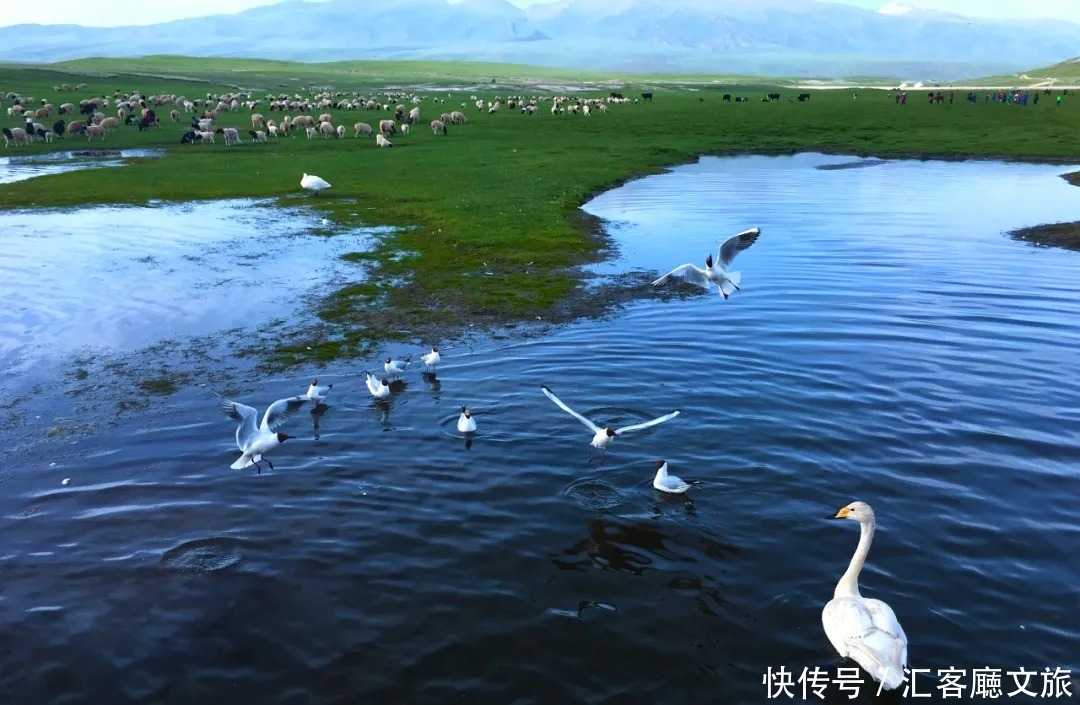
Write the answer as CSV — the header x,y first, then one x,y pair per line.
x,y
1005,97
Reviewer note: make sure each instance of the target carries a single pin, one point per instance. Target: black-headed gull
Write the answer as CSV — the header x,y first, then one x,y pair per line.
x,y
254,439
602,437
432,358
466,423
378,388
314,183
316,393
714,273
668,483
394,368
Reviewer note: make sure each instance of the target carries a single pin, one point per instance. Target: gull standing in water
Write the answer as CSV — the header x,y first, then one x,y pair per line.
x,y
602,437
466,423
668,483
316,393
432,358
860,628
715,273
394,368
378,388
254,439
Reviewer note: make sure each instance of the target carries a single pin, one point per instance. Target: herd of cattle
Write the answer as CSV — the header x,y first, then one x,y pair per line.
x,y
88,118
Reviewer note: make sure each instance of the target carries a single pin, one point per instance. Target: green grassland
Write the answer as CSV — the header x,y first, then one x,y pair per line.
x,y
498,195
1066,73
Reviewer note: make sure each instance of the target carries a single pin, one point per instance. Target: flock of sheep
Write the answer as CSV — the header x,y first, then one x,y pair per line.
x,y
205,113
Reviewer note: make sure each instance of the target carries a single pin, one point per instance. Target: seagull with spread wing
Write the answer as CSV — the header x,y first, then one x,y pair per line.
x,y
715,273
255,439
602,437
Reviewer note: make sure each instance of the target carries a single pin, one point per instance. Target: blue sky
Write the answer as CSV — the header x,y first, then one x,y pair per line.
x,y
121,12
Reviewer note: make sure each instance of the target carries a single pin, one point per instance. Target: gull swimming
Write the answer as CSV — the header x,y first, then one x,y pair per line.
x,y
432,358
394,368
726,282
253,440
668,483
602,437
314,183
378,389
864,629
466,423
317,393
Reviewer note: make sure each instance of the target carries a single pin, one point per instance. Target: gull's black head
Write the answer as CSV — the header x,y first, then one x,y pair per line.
x,y
708,260
610,432
388,361
660,464
282,437
434,348
314,381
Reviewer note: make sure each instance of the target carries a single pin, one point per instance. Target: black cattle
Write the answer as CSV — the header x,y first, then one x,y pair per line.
x,y
613,94
647,97
803,97
774,96
727,98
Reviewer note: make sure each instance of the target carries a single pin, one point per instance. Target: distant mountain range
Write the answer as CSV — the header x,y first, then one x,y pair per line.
x,y
773,37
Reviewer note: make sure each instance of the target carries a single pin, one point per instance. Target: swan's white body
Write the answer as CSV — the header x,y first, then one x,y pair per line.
x,y
602,437
378,388
314,183
432,358
254,439
715,273
466,423
863,629
668,483
394,368
316,393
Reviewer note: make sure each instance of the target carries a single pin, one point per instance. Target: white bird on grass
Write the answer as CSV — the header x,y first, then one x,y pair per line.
x,y
726,282
394,368
668,483
432,358
314,183
602,437
255,440
316,393
466,423
378,388
863,629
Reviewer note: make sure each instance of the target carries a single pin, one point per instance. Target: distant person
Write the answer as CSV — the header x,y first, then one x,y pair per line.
x,y
1059,101
896,99
1035,101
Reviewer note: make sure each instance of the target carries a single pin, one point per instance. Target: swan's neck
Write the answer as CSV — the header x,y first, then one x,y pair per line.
x,y
849,582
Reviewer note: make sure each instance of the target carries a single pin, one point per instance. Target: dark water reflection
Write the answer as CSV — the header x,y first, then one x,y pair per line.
x,y
889,344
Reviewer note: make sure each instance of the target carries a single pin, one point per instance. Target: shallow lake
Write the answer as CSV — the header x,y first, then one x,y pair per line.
x,y
889,344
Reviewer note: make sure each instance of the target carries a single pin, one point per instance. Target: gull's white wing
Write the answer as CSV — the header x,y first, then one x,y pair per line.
x,y
280,410
244,415
736,244
372,386
551,395
688,273
320,391
647,424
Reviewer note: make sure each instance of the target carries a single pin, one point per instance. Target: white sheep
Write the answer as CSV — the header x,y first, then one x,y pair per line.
x,y
231,135
387,127
312,133
340,131
93,131
327,129
438,127
206,137
381,141
479,105
404,128
414,116
175,115
257,135
272,129
362,128
458,118
16,135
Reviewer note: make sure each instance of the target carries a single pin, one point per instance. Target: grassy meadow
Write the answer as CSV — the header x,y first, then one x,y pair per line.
x,y
498,195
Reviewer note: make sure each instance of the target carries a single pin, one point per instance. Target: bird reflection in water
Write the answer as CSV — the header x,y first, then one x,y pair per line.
x,y
316,415
433,383
614,546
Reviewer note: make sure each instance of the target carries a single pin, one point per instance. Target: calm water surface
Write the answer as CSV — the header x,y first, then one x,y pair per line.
x,y
889,345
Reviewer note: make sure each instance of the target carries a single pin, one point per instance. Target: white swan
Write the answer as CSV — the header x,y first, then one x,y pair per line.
x,y
726,282
863,629
313,183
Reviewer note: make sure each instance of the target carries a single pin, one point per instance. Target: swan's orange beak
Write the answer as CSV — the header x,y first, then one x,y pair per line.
x,y
843,513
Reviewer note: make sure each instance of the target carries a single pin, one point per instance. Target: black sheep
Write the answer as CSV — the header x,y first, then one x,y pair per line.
x,y
190,137
147,122
58,128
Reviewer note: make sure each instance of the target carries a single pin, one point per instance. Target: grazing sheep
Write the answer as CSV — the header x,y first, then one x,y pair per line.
x,y
76,127
438,127
458,118
67,108
16,135
59,127
326,117
93,131
381,141
404,127
387,127
414,116
445,117
362,128
110,123
312,133
190,137
327,130
272,129
175,115
399,113
231,135
257,135
479,105
206,137
257,120
340,131
586,110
